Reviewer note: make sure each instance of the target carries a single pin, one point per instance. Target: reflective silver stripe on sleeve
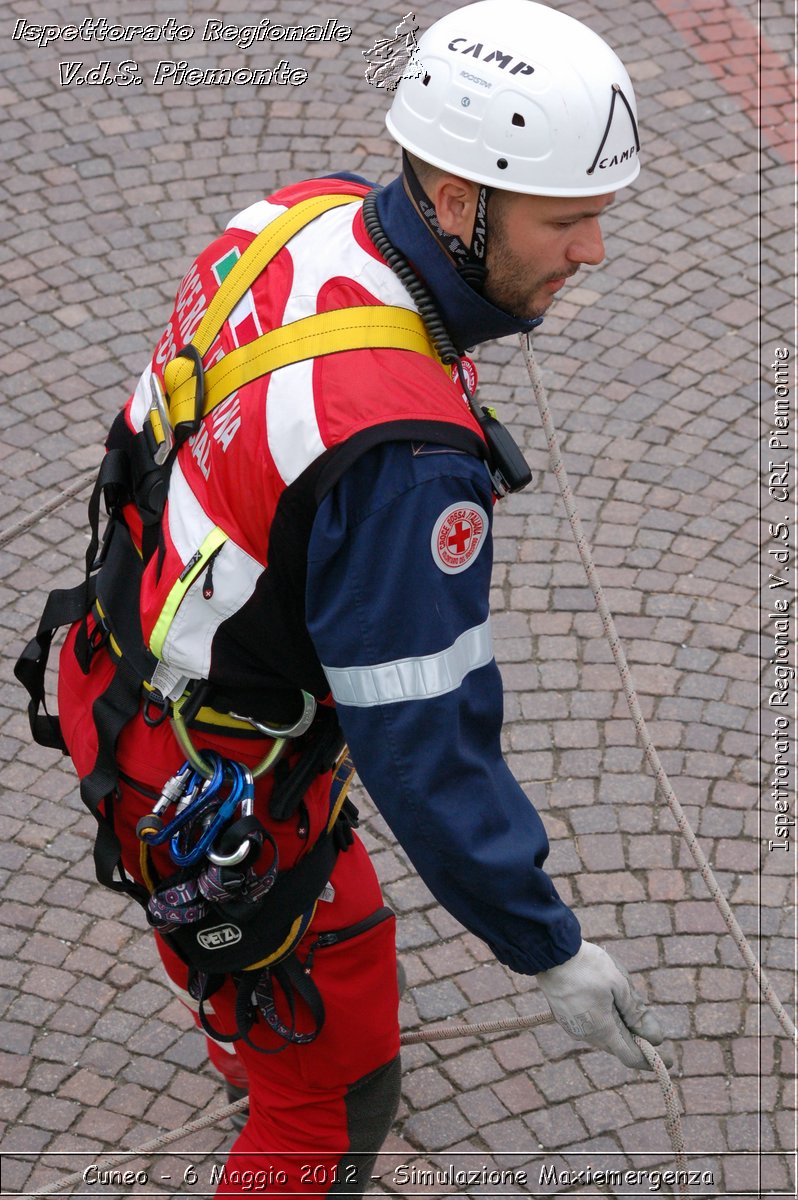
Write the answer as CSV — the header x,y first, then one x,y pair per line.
x,y
413,678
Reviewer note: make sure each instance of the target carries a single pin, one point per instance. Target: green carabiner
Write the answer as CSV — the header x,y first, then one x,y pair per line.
x,y
201,766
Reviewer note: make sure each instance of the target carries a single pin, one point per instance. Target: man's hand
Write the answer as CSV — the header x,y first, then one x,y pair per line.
x,y
592,997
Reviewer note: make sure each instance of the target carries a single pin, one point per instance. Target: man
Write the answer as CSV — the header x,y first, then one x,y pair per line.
x,y
315,534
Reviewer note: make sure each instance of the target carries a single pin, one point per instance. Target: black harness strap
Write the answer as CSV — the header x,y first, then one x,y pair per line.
x,y
112,485
294,982
255,994
322,748
64,606
111,712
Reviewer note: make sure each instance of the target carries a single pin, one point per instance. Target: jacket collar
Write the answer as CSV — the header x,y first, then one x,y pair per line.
x,y
469,318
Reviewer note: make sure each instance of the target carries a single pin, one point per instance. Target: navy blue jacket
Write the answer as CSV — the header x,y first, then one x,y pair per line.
x,y
399,570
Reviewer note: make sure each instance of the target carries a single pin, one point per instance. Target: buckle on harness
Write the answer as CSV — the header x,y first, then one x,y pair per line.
x,y
185,415
100,633
160,424
172,422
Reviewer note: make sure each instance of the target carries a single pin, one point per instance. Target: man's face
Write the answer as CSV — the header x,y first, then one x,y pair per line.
x,y
535,243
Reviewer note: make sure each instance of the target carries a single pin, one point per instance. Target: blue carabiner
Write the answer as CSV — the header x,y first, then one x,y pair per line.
x,y
188,808
247,808
188,857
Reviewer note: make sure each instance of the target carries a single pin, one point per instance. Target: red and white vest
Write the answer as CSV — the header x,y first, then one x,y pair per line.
x,y
222,598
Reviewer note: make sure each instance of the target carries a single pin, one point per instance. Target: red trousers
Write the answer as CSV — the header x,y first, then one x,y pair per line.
x,y
317,1111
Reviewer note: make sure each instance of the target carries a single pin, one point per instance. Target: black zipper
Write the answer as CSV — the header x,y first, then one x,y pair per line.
x,y
207,587
333,937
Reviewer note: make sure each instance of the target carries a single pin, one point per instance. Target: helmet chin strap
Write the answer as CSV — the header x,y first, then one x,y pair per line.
x,y
470,261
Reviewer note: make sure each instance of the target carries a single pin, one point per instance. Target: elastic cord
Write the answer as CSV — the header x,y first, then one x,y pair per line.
x,y
405,273
426,308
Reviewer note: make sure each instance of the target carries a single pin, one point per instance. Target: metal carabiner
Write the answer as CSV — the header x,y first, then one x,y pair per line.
x,y
187,858
150,827
302,725
200,795
160,410
247,809
194,794
199,763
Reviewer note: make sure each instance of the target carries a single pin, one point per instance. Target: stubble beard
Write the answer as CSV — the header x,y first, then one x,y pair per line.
x,y
507,283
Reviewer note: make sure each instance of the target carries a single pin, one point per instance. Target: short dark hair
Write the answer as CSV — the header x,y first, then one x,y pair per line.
x,y
426,173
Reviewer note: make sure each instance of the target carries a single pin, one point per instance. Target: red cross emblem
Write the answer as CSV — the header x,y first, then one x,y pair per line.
x,y
458,537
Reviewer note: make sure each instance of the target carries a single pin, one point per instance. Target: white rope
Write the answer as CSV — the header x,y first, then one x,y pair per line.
x,y
430,1034
582,545
673,1125
32,518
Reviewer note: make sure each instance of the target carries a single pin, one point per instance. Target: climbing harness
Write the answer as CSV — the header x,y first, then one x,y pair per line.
x,y
226,908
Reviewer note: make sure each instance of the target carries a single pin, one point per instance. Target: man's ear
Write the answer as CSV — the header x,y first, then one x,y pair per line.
x,y
455,203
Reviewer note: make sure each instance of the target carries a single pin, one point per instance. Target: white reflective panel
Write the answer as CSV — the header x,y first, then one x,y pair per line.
x,y
188,644
317,252
187,520
413,678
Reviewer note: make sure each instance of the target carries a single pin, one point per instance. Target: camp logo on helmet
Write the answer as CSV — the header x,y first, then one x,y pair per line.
x,y
617,158
626,155
498,56
219,937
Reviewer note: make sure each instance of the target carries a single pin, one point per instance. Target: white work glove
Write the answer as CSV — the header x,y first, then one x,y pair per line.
x,y
592,997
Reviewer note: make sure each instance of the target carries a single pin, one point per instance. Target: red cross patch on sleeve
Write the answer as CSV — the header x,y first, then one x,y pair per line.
x,y
458,537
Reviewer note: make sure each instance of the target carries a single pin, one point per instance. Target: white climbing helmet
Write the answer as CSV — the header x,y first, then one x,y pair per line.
x,y
518,96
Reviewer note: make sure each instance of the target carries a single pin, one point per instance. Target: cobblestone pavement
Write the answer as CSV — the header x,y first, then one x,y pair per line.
x,y
652,364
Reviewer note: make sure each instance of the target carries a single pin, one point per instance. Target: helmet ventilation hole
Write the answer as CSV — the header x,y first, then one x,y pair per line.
x,y
426,79
501,163
518,120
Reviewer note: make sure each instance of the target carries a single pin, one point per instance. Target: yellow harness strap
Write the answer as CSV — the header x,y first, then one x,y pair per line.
x,y
360,327
256,258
